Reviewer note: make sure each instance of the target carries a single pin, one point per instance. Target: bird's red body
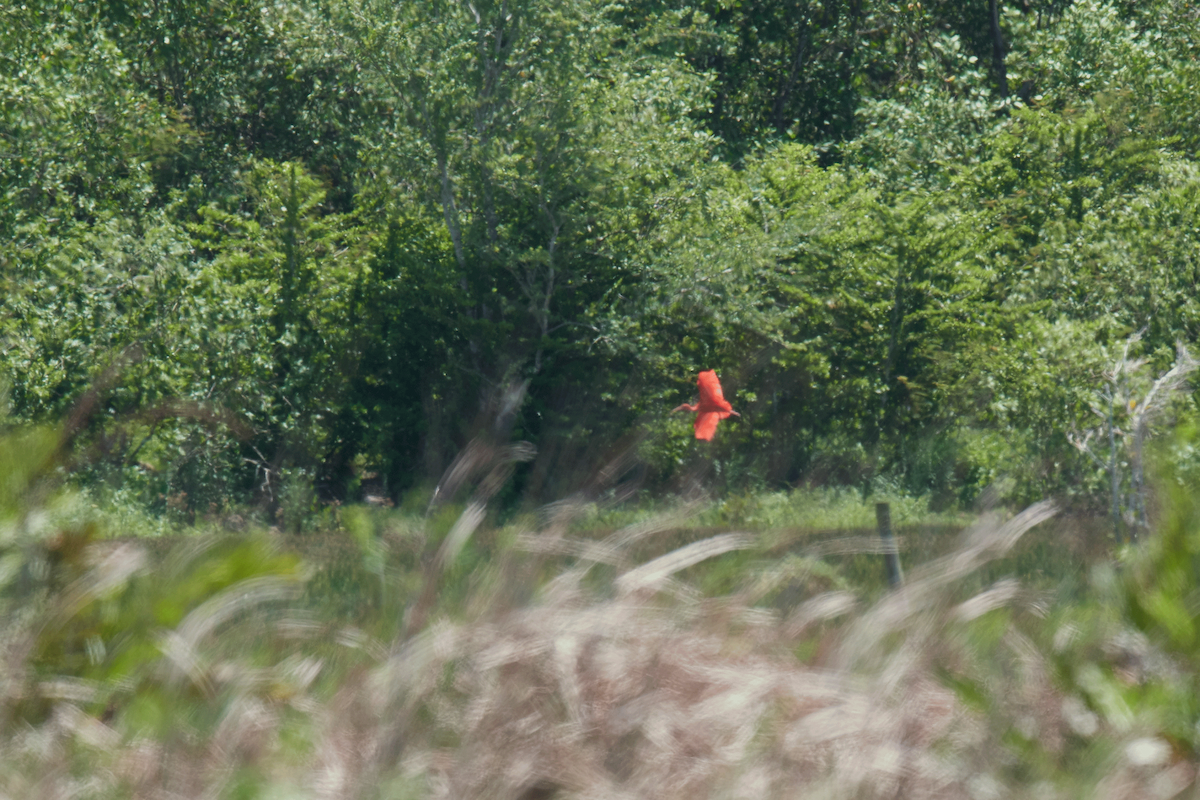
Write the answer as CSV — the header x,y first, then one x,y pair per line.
x,y
712,408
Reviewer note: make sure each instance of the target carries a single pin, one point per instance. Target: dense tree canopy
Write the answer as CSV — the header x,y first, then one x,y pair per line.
x,y
306,247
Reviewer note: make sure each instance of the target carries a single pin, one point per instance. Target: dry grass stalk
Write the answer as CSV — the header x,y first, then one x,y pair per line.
x,y
636,688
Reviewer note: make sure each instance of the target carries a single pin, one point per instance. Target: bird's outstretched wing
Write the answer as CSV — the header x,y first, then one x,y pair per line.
x,y
706,424
711,396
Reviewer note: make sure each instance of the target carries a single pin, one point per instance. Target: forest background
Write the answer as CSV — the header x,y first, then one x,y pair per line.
x,y
300,252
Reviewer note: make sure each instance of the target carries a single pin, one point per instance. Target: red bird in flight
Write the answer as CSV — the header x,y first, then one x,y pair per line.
x,y
712,408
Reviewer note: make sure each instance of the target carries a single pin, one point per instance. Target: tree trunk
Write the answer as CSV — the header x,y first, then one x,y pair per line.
x,y
999,50
788,83
1114,475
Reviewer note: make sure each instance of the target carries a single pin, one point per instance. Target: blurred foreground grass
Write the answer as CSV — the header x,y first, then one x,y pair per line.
x,y
740,648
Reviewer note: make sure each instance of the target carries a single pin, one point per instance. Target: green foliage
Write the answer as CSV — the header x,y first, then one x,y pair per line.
x,y
1162,580
931,128
819,509
77,139
243,80
259,261
109,635
306,254
115,624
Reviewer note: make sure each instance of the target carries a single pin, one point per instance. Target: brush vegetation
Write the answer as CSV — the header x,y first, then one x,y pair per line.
x,y
338,340
307,250
579,651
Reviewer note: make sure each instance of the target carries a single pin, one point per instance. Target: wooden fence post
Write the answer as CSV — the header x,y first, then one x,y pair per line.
x,y
891,555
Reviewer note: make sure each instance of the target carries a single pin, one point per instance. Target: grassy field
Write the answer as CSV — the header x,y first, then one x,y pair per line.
x,y
747,647
358,552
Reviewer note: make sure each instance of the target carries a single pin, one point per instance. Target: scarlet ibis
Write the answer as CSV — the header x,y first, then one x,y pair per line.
x,y
712,407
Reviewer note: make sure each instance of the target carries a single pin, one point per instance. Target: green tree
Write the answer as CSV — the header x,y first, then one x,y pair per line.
x,y
240,80
270,326
548,146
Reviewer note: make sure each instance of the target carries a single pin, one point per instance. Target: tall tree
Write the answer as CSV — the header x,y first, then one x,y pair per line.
x,y
543,138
